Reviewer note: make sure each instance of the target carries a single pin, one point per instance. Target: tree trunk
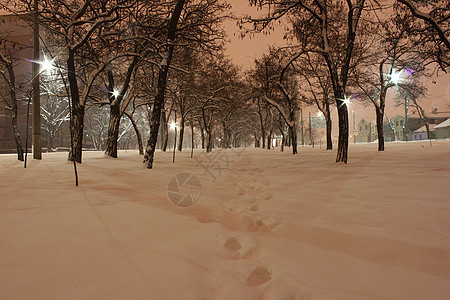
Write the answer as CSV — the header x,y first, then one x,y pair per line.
x,y
202,134
113,131
209,141
293,134
164,131
77,119
12,92
50,142
180,141
76,126
162,83
343,131
138,133
263,135
380,116
263,129
427,127
327,115
17,138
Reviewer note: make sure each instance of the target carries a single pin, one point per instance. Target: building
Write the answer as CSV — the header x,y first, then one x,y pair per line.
x,y
413,124
443,130
15,43
421,133
367,132
388,133
16,37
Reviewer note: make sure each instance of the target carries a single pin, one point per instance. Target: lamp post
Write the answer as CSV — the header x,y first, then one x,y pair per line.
x,y
395,78
174,126
354,126
346,102
405,123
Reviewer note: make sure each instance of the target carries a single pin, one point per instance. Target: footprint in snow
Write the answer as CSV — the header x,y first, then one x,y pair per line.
x,y
258,276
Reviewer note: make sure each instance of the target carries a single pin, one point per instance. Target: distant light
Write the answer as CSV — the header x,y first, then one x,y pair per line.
x,y
320,114
395,77
46,65
116,93
409,71
346,100
173,125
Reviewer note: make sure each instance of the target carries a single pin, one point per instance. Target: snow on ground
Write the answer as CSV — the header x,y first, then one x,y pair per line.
x,y
268,225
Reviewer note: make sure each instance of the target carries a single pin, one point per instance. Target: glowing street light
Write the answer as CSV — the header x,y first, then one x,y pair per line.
x,y
116,93
173,126
395,77
346,100
320,114
46,65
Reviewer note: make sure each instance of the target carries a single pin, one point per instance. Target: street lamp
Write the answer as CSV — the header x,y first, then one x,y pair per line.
x,y
116,93
395,77
173,126
346,100
46,65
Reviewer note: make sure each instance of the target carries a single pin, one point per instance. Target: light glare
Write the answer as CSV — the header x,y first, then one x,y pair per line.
x,y
46,65
346,100
395,77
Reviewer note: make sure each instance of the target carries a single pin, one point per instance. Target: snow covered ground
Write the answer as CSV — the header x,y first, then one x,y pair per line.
x,y
267,225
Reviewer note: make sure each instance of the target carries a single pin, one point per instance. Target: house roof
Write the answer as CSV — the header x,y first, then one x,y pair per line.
x,y
446,123
424,129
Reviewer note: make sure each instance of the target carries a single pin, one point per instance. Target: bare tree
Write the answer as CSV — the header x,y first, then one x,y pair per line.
x,y
8,60
54,107
428,25
385,58
162,82
330,28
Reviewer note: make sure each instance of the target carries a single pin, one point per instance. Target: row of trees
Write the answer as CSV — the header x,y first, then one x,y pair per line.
x,y
163,60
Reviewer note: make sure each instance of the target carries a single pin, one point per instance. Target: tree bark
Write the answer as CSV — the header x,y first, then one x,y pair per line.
x,y
209,141
50,142
257,141
162,83
17,138
113,130
138,133
77,120
76,127
180,141
380,116
293,134
343,131
327,115
12,91
202,133
164,131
